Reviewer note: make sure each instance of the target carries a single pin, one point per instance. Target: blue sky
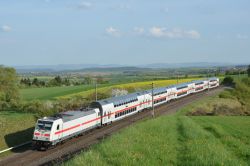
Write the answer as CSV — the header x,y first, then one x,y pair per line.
x,y
48,32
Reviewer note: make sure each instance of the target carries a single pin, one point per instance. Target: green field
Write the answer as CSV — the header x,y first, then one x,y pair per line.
x,y
137,86
176,140
15,128
50,93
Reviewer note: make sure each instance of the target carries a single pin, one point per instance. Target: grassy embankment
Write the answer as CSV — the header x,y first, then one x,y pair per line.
x,y
15,128
179,139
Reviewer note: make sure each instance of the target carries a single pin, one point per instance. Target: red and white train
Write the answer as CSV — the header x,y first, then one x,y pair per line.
x,y
49,131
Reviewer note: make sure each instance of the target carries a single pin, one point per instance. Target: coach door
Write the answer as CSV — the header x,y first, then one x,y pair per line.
x,y
59,130
105,117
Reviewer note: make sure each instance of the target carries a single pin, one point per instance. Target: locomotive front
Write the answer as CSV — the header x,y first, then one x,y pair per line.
x,y
42,134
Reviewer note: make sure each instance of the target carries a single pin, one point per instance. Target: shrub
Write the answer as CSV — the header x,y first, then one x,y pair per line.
x,y
228,81
227,94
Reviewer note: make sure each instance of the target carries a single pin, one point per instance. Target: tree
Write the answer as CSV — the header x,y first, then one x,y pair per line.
x,y
87,80
8,84
35,82
100,80
58,79
228,81
248,71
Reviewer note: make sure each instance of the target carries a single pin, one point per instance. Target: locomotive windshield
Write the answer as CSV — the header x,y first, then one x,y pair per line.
x,y
44,125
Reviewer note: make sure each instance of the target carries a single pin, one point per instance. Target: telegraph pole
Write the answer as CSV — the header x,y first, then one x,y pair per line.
x,y
95,91
153,109
177,78
208,80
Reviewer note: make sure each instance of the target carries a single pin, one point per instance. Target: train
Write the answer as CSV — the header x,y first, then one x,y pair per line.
x,y
49,131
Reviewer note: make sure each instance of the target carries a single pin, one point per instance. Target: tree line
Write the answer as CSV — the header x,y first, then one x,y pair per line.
x,y
59,81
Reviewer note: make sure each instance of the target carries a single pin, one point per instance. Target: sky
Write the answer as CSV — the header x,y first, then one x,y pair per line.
x,y
132,32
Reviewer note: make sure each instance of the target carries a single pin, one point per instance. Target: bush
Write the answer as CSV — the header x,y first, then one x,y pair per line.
x,y
222,109
227,94
228,81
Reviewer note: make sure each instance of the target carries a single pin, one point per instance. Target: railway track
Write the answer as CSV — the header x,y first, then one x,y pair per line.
x,y
74,146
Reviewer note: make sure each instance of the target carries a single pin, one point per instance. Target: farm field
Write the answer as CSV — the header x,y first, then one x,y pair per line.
x,y
130,87
50,93
15,128
176,140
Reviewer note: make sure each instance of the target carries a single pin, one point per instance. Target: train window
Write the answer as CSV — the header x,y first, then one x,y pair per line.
x,y
57,127
98,113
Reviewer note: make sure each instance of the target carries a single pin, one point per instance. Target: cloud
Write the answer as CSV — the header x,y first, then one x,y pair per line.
x,y
6,28
162,32
242,37
192,34
121,7
113,32
85,6
139,30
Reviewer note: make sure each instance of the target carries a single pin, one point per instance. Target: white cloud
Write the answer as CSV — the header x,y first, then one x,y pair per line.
x,y
113,32
85,5
192,34
242,37
162,32
121,7
6,28
139,30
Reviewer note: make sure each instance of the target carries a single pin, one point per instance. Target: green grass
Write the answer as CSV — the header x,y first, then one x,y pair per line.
x,y
50,93
176,140
15,128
